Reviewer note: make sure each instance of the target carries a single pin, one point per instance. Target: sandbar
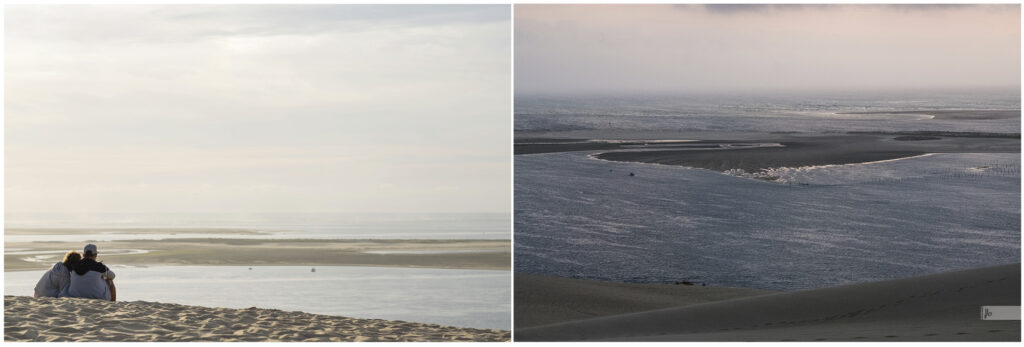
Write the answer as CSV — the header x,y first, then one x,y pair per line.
x,y
751,154
447,254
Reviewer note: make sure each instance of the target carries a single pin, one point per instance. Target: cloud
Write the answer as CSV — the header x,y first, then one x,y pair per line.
x,y
758,8
187,22
287,98
727,9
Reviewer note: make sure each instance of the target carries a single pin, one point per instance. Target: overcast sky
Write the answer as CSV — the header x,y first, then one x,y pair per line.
x,y
322,108
570,49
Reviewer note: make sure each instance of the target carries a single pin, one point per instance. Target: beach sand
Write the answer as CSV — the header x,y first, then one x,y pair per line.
x,y
542,300
66,319
939,307
448,254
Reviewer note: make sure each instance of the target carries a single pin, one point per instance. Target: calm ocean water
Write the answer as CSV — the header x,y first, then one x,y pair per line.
x,y
805,113
272,225
464,298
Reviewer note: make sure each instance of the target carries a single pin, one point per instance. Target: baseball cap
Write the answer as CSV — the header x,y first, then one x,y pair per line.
x,y
90,249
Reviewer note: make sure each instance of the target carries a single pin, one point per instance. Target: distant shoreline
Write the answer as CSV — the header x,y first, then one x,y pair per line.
x,y
954,114
129,230
426,253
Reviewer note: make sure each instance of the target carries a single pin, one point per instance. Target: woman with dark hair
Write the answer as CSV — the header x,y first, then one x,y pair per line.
x,y
57,277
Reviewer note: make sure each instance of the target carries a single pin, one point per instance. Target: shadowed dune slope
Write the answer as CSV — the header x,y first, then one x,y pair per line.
x,y
939,307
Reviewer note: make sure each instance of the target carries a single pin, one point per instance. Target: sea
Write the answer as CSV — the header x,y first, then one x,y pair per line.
x,y
823,112
455,297
438,226
580,217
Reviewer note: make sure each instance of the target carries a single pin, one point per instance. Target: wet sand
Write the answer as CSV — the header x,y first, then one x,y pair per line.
x,y
939,307
794,153
448,254
541,145
795,150
69,319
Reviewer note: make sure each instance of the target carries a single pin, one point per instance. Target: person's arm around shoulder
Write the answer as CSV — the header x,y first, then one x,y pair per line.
x,y
113,290
109,276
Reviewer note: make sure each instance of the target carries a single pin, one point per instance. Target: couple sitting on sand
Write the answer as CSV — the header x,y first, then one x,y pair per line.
x,y
78,276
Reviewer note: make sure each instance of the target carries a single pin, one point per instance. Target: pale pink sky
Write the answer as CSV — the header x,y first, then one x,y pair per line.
x,y
594,48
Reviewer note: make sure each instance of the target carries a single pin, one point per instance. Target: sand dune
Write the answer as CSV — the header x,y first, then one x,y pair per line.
x,y
940,307
47,319
541,300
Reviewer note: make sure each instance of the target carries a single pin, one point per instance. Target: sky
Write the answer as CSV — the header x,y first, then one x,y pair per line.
x,y
257,108
581,49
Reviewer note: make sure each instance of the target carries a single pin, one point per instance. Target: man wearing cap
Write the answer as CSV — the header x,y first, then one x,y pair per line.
x,y
90,278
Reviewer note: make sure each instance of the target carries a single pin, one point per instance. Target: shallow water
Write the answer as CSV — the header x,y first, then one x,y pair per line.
x,y
586,218
463,298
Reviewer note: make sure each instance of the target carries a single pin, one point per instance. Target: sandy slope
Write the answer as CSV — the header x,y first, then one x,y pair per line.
x,y
48,319
940,307
541,300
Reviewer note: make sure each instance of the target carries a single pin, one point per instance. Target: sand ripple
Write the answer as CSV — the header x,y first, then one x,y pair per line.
x,y
49,319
